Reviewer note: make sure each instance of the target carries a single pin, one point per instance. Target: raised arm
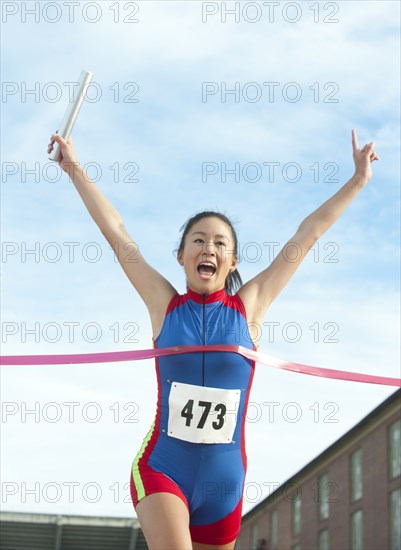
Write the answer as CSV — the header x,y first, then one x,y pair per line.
x,y
258,293
153,288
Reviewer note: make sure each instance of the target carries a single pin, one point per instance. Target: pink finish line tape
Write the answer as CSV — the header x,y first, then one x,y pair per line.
x,y
136,355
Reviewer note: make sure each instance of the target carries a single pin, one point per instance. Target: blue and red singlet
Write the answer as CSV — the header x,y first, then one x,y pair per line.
x,y
195,447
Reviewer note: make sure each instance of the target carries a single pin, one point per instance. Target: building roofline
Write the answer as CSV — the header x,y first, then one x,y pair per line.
x,y
324,454
65,519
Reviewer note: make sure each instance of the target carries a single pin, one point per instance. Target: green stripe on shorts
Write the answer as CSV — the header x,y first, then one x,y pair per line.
x,y
135,471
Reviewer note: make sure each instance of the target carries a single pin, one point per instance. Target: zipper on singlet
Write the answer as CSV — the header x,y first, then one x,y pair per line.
x,y
203,338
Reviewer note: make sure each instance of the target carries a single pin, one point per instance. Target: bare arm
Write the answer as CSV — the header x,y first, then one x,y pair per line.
x,y
260,291
153,288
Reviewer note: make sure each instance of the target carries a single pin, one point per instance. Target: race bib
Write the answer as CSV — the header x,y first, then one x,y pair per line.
x,y
199,414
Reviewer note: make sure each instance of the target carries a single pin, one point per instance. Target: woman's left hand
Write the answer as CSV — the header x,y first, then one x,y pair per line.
x,y
363,158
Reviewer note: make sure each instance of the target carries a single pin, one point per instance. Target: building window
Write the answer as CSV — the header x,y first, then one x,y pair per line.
x,y
394,434
357,530
395,523
273,530
254,537
296,516
323,497
356,475
323,540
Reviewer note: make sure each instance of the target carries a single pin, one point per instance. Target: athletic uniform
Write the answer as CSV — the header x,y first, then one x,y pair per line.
x,y
195,448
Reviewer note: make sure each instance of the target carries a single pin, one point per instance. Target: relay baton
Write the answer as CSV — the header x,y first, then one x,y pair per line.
x,y
71,113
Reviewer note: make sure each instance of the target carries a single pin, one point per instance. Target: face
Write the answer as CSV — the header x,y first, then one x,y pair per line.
x,y
208,255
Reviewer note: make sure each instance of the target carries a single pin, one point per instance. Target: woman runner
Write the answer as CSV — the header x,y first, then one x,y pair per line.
x,y
188,476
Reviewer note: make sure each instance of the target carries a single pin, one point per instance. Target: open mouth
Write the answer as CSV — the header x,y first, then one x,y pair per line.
x,y
206,270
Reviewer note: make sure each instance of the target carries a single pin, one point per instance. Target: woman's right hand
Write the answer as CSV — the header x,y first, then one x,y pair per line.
x,y
68,158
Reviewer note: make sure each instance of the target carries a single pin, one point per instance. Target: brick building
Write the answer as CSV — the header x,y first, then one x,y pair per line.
x,y
347,498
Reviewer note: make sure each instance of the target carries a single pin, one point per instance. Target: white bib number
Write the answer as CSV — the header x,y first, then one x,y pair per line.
x,y
202,415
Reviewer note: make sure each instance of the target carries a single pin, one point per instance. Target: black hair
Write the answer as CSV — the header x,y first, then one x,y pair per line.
x,y
233,280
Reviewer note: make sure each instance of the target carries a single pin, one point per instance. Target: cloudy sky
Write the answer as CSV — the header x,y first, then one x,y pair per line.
x,y
243,107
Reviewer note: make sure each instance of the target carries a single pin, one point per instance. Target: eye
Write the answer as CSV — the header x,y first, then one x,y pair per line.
x,y
220,243
199,240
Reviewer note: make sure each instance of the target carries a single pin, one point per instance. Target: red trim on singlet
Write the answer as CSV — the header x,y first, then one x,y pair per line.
x,y
176,300
234,302
243,446
216,296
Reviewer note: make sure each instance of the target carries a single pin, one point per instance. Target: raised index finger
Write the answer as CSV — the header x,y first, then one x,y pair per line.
x,y
355,145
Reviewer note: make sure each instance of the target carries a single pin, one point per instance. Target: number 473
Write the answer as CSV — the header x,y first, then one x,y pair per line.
x,y
220,408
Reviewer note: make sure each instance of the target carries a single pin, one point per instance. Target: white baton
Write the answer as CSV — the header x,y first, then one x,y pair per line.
x,y
71,113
